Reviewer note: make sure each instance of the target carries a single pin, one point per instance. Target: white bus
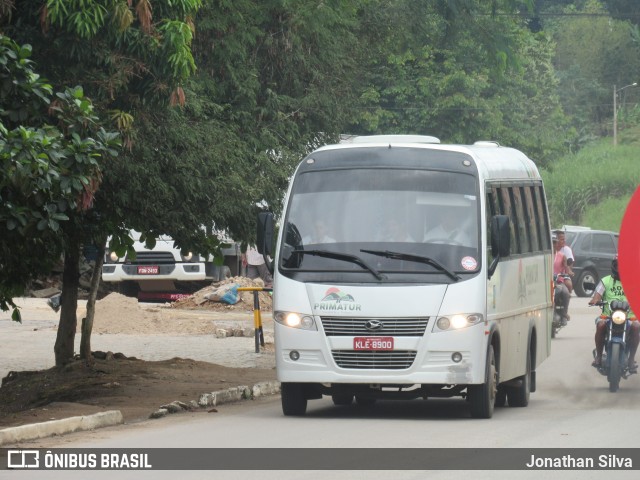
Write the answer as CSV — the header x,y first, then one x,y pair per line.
x,y
405,268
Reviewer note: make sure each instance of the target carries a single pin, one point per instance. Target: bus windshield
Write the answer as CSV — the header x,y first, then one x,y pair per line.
x,y
409,225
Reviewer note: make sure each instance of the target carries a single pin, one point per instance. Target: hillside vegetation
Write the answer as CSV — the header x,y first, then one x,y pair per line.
x,y
592,187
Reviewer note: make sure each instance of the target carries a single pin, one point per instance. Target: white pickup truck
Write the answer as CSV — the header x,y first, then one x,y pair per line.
x,y
162,273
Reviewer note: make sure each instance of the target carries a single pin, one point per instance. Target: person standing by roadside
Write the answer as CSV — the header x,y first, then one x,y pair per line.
x,y
254,263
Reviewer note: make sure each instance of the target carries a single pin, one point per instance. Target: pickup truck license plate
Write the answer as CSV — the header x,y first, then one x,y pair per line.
x,y
373,343
148,270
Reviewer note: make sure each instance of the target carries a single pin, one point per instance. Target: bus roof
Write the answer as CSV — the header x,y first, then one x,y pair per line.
x,y
494,162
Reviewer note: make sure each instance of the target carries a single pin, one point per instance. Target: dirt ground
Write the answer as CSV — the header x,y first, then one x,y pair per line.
x,y
114,381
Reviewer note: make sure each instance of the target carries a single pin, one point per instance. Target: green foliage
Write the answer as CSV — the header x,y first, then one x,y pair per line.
x,y
594,52
177,43
23,93
49,167
624,9
581,181
125,54
606,215
462,72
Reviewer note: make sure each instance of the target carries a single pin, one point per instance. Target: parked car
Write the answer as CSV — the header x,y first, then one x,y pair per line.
x,y
593,251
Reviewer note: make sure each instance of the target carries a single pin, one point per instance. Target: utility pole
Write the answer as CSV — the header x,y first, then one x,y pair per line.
x,y
615,117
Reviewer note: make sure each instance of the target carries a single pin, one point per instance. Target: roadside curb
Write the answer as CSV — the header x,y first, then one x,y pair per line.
x,y
229,395
59,427
238,393
110,418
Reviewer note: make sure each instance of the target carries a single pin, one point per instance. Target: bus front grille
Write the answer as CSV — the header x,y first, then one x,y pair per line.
x,y
388,327
392,360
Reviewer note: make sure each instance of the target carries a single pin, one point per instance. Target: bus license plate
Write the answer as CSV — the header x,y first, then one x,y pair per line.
x,y
148,270
373,343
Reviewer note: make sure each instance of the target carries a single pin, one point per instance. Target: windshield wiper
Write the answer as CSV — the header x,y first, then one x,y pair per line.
x,y
414,258
342,256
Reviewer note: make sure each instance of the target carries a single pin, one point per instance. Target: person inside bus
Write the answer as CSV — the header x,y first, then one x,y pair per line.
x,y
560,267
318,235
396,231
610,288
450,229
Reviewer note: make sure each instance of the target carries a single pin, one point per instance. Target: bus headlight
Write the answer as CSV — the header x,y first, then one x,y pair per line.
x,y
456,322
619,317
187,257
295,320
113,256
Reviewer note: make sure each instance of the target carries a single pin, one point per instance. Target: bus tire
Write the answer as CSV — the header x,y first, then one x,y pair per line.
x,y
519,395
294,401
482,397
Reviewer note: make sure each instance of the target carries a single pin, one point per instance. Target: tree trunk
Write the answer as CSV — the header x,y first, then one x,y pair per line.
x,y
87,322
65,340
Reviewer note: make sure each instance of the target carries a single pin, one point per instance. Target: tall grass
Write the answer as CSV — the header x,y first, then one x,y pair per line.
x,y
592,187
606,215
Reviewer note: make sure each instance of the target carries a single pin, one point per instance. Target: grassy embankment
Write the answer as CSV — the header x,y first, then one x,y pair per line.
x,y
593,187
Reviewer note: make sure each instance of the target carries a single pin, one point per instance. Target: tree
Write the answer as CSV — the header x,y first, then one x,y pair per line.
x,y
127,56
457,71
49,168
273,80
624,10
593,53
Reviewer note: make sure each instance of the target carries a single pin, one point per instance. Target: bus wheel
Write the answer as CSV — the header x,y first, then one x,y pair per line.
x,y
294,401
342,399
483,397
519,395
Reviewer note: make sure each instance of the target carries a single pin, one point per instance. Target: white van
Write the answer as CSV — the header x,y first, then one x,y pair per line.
x,y
163,273
405,268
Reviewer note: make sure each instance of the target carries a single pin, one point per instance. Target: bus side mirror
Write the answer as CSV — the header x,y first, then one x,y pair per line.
x,y
265,233
500,236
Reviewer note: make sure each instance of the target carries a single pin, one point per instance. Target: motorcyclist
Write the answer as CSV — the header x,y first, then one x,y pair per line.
x,y
567,252
562,292
608,289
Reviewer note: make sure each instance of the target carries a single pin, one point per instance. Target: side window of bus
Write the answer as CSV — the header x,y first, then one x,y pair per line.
x,y
506,208
525,207
492,209
532,216
521,223
545,234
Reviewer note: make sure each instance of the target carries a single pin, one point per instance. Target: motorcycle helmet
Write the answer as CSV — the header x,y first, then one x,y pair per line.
x,y
614,269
